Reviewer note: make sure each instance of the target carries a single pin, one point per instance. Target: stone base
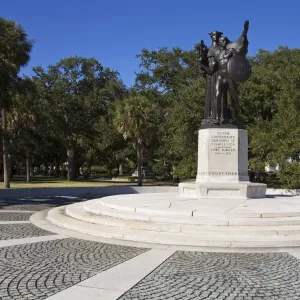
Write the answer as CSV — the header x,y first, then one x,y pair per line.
x,y
222,190
166,219
205,124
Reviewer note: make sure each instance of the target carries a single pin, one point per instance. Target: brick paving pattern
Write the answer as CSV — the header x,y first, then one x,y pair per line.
x,y
7,216
42,269
222,276
39,270
19,231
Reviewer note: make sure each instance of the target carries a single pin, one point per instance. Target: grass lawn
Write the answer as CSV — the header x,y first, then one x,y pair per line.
x,y
46,182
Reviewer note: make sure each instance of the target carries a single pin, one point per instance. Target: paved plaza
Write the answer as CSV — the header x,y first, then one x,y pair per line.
x,y
36,263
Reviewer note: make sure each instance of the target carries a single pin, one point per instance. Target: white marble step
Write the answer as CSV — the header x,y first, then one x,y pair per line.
x,y
94,208
159,215
58,217
76,211
171,205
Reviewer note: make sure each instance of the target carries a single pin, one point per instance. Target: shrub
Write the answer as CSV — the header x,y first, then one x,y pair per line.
x,y
289,175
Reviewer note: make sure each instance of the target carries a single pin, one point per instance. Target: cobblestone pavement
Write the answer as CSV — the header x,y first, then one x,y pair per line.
x,y
39,270
198,275
28,207
6,216
18,231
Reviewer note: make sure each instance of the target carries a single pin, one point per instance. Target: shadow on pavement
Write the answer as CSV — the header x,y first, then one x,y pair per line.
x,y
42,202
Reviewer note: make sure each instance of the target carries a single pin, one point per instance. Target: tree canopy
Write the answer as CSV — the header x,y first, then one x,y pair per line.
x,y
14,53
75,113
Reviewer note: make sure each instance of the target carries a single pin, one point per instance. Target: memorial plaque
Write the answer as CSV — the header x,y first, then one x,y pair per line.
x,y
222,155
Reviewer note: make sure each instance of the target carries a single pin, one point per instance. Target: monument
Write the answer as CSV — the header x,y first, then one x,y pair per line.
x,y
218,209
222,143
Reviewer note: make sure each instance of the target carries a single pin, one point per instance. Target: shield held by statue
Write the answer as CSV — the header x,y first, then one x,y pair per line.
x,y
239,68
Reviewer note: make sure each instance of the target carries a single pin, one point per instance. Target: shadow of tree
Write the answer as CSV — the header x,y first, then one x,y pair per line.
x,y
42,202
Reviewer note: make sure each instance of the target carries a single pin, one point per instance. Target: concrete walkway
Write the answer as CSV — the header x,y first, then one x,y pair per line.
x,y
39,263
113,283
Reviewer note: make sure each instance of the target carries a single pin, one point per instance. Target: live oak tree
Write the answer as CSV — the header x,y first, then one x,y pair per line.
x,y
23,121
174,75
14,53
181,126
166,70
271,104
75,93
108,148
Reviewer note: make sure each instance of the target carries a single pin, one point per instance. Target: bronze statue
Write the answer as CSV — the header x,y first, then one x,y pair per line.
x,y
225,64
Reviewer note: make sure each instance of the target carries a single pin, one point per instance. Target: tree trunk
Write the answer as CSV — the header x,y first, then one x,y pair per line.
x,y
28,166
38,169
5,151
51,171
46,170
72,161
31,169
121,169
77,169
175,178
57,168
11,169
18,168
139,163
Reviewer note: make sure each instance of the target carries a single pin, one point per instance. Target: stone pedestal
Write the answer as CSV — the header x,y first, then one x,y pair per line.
x,y
222,167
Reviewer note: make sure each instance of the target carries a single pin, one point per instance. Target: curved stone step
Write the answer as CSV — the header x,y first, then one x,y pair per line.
x,y
94,207
58,217
76,211
171,205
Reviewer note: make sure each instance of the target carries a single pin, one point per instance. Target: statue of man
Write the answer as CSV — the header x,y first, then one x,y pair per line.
x,y
205,57
218,64
224,82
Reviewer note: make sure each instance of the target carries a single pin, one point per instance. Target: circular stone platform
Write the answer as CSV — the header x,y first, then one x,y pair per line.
x,y
167,218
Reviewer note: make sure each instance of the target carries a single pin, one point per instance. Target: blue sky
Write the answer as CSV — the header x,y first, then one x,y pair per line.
x,y
115,31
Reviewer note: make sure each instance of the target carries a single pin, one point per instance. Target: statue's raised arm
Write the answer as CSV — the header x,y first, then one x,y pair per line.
x,y
246,27
241,44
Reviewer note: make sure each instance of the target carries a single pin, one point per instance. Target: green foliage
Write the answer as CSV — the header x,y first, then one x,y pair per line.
x,y
180,102
74,98
135,118
23,117
182,125
75,92
269,103
14,53
272,116
107,147
160,167
289,175
81,111
166,70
